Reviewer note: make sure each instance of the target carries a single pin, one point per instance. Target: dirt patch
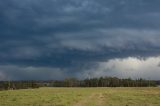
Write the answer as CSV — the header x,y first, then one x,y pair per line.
x,y
96,99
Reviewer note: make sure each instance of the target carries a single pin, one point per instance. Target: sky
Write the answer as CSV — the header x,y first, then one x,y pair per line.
x,y
57,39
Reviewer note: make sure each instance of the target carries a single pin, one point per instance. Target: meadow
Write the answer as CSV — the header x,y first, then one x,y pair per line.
x,y
82,97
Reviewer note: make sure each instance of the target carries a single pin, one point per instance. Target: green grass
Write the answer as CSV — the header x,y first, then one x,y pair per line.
x,y
81,97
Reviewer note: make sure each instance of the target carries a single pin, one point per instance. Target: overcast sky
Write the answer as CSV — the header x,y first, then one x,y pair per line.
x,y
56,39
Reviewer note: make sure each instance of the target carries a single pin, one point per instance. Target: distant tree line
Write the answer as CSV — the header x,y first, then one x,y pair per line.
x,y
73,82
103,82
8,85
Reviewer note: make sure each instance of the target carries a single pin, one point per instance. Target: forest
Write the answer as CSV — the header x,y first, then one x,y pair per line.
x,y
73,82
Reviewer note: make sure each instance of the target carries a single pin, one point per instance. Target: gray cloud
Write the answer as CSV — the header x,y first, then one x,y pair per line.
x,y
10,72
130,67
75,35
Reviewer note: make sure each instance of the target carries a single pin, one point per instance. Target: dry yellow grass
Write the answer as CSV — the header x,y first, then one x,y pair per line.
x,y
81,97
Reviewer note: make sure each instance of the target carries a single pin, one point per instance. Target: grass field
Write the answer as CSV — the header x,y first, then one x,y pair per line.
x,y
81,97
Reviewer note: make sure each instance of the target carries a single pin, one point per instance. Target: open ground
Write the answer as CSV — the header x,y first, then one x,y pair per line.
x,y
81,97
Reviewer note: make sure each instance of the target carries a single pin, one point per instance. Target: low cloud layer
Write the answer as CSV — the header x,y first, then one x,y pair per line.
x,y
10,72
67,38
130,67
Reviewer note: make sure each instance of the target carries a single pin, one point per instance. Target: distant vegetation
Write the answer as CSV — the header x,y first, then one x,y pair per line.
x,y
73,82
101,82
8,85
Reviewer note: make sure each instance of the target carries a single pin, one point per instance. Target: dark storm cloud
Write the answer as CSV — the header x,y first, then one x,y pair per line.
x,y
73,35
